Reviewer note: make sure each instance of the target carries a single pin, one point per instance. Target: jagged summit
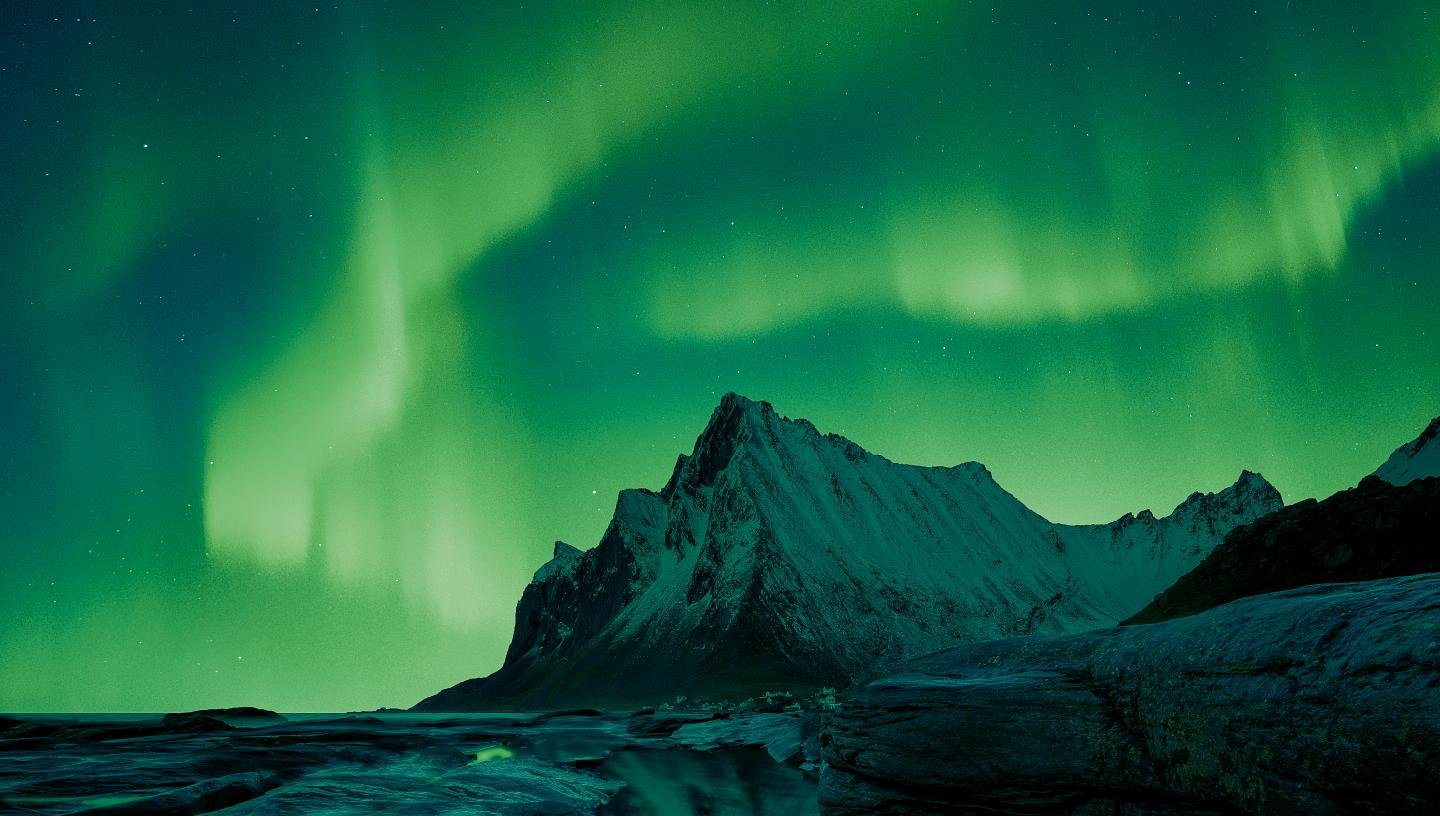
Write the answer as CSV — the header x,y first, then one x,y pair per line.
x,y
739,422
1251,482
779,557
1248,497
1142,553
1416,459
564,558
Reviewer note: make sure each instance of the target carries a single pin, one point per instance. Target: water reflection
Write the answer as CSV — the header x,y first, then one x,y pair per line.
x,y
739,782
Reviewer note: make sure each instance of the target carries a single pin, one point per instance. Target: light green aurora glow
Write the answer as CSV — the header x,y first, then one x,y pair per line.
x,y
328,322
376,369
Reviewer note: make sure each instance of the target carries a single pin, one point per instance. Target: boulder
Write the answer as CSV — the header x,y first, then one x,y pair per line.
x,y
192,723
1318,700
237,716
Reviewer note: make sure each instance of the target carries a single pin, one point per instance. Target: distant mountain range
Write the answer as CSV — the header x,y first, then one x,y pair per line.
x,y
780,558
1385,527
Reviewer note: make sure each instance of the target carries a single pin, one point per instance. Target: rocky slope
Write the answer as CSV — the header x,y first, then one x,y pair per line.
x,y
777,557
522,765
1375,530
1320,700
1416,459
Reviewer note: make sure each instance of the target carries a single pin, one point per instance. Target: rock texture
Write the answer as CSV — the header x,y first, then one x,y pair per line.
x,y
1320,700
1375,530
522,765
1416,459
201,797
777,557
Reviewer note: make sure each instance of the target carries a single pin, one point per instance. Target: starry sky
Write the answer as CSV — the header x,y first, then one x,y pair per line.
x,y
321,323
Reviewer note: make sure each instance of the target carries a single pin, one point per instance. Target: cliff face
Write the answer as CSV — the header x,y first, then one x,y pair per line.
x,y
777,557
1320,700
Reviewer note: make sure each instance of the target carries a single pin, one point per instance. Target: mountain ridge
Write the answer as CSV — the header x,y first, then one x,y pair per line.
x,y
1381,528
1373,531
778,557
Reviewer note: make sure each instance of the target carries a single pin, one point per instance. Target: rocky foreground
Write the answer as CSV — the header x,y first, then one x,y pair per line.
x,y
1318,700
579,763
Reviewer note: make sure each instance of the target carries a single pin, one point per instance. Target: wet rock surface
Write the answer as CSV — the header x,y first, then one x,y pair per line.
x,y
1319,700
571,763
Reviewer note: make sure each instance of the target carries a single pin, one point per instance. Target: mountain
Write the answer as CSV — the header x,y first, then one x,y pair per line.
x,y
1372,531
1382,528
1311,621
780,558
1142,552
1416,459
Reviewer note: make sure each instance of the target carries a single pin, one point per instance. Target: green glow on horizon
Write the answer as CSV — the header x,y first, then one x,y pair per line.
x,y
362,376
326,323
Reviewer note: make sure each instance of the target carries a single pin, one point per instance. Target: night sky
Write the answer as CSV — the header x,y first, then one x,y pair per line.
x,y
321,324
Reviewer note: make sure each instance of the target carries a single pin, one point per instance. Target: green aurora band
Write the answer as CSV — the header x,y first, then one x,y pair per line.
x,y
323,323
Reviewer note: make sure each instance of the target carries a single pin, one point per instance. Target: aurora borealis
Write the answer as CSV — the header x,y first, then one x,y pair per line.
x,y
321,324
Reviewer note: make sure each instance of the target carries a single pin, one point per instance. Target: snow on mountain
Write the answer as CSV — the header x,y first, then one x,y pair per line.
x,y
1128,561
1416,459
777,557
1372,531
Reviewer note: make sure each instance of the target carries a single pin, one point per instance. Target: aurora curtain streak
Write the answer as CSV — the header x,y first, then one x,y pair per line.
x,y
321,324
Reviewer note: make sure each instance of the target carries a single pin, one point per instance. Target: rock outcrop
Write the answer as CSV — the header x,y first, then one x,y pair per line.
x,y
1320,700
1372,531
238,716
780,558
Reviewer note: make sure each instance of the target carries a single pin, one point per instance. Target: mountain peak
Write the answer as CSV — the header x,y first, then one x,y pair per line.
x,y
780,557
733,401
735,409
1250,497
1249,485
564,560
1373,531
1252,483
1415,459
735,422
1431,432
976,468
729,423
